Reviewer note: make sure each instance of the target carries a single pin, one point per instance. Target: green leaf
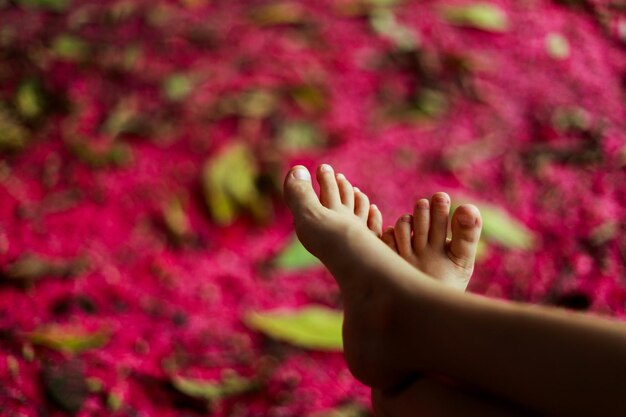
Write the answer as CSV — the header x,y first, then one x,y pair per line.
x,y
294,256
557,46
499,227
229,185
70,47
29,100
484,16
54,5
313,327
69,339
231,384
300,136
177,86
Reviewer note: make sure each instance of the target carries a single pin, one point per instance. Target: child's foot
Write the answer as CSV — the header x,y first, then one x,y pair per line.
x,y
421,239
379,290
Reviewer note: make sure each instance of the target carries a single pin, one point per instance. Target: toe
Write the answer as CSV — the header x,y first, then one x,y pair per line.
x,y
329,190
439,209
375,220
403,235
466,225
361,204
421,224
299,193
346,191
389,238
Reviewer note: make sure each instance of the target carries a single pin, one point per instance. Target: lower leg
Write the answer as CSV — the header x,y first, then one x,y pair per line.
x,y
431,397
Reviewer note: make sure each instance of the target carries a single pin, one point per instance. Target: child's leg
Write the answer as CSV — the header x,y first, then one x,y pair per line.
x,y
398,322
429,397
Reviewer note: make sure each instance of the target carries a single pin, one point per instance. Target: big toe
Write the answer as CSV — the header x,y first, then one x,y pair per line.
x,y
466,227
299,193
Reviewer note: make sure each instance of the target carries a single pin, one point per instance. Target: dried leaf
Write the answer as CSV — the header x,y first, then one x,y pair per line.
x,y
13,136
294,256
229,184
257,103
313,327
384,22
65,385
485,16
499,227
300,136
311,99
231,384
279,13
30,267
29,100
69,339
70,47
431,102
177,86
557,46
116,154
177,221
54,5
351,409
569,118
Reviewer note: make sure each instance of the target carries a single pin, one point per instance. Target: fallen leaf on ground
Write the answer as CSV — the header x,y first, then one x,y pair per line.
x,y
312,327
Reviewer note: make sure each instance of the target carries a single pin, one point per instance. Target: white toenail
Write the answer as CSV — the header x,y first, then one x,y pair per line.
x,y
374,206
301,174
326,168
356,190
341,177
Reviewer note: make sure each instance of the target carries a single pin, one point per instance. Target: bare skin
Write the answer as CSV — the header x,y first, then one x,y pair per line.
x,y
399,322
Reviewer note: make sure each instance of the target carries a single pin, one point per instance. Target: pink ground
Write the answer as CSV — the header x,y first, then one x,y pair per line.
x,y
503,136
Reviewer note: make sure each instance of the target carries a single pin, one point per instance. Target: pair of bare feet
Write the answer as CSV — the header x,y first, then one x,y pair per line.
x,y
404,315
341,225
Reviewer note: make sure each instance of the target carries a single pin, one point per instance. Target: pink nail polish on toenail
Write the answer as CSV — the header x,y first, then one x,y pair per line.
x,y
301,174
326,168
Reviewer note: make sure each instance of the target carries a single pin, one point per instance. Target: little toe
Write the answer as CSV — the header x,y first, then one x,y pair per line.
x,y
329,190
421,224
439,209
403,235
375,220
361,204
389,238
346,191
299,193
466,226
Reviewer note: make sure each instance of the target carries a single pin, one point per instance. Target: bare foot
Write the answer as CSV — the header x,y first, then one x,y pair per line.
x,y
378,288
421,239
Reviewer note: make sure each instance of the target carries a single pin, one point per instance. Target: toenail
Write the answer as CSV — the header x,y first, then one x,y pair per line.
x,y
326,168
374,206
441,199
301,174
422,204
356,190
406,218
466,220
341,177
